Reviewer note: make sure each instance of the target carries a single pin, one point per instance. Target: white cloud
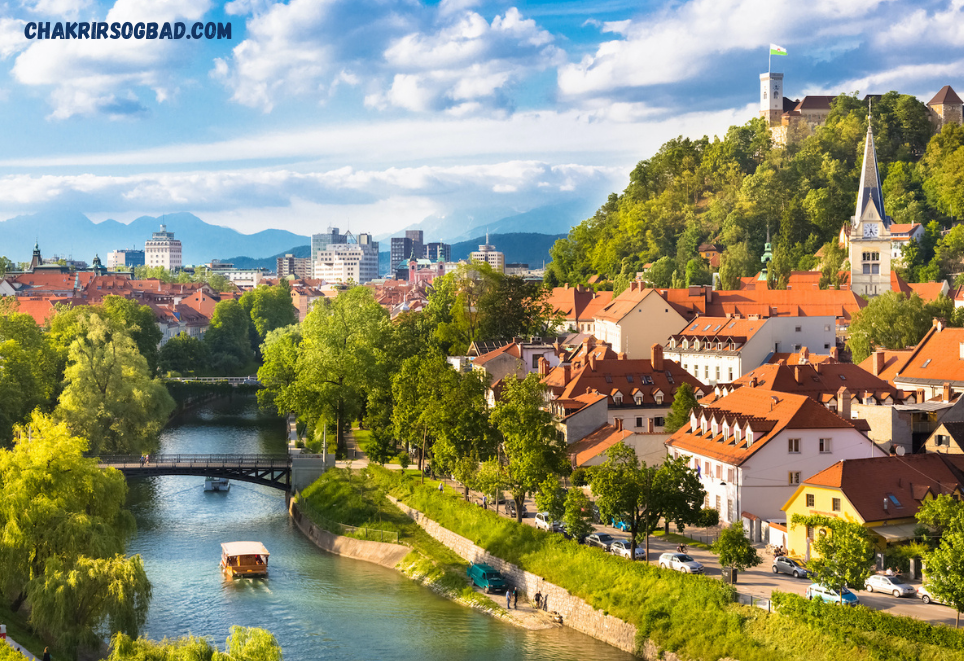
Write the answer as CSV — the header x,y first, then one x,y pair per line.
x,y
54,10
945,26
923,80
99,77
12,40
680,42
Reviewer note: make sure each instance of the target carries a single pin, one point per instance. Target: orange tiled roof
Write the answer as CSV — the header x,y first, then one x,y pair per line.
x,y
902,228
722,327
766,412
903,481
937,357
822,379
511,349
627,377
841,303
623,304
596,443
929,291
893,362
802,357
41,309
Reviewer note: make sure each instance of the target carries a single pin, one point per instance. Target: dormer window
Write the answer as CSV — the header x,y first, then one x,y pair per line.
x,y
738,433
749,438
703,425
716,427
696,345
658,397
726,430
694,423
686,344
672,343
618,398
638,399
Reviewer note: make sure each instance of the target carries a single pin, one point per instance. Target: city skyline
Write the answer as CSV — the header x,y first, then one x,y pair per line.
x,y
376,117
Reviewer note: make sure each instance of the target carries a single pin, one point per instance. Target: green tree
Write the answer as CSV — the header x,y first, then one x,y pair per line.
x,y
697,272
184,353
110,398
29,371
833,260
944,564
139,322
551,498
6,265
229,345
845,554
684,401
279,373
532,447
641,495
59,513
660,274
251,643
341,358
268,308
577,513
734,549
737,262
247,644
891,320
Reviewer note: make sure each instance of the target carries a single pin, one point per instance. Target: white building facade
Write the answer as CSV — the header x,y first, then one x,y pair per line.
x,y
344,263
163,250
488,254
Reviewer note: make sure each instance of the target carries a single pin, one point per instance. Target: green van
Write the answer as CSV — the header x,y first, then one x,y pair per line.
x,y
486,578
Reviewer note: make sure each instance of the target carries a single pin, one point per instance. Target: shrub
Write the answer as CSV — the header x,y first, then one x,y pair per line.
x,y
579,477
403,460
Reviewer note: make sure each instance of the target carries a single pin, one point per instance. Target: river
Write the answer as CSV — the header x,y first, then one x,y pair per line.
x,y
318,605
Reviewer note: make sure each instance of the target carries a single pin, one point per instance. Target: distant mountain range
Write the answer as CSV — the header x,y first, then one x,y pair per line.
x,y
519,247
548,219
74,235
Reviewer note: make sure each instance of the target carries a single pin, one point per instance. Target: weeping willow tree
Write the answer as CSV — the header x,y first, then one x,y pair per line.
x,y
244,643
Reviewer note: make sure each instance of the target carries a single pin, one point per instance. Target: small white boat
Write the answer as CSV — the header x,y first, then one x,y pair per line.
x,y
216,484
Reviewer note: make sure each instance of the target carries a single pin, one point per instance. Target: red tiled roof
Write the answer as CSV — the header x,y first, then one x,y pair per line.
x,y
812,102
824,378
801,358
623,304
929,291
765,302
627,377
722,327
41,309
893,361
578,303
937,357
511,349
903,481
767,412
596,443
902,228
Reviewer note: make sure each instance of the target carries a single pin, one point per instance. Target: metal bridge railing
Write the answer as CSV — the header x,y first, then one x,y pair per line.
x,y
201,460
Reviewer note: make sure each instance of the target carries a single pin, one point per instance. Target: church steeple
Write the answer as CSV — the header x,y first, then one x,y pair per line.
x,y
870,194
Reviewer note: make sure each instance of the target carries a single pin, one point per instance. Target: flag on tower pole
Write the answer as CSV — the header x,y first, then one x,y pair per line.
x,y
775,50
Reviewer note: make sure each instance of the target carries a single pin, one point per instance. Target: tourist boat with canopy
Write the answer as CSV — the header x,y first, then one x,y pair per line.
x,y
241,559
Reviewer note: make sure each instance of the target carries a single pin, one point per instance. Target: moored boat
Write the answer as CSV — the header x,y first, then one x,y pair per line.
x,y
244,559
216,484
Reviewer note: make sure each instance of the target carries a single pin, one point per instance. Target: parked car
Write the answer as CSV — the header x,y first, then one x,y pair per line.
x,y
680,562
621,524
820,593
487,578
545,522
784,565
896,585
510,508
621,547
601,539
927,596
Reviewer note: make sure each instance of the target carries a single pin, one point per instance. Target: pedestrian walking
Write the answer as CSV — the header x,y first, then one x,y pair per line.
x,y
485,502
545,603
46,654
538,599
440,487
508,598
515,598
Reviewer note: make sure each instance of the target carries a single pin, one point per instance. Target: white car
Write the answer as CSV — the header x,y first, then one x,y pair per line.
x,y
621,547
896,585
680,562
545,522
927,597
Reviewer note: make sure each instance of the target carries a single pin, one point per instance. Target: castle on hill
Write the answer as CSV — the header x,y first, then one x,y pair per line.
x,y
793,120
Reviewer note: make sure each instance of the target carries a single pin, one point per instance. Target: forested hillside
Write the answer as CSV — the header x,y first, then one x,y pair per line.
x,y
730,191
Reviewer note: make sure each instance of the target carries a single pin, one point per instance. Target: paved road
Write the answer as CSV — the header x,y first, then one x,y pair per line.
x,y
761,581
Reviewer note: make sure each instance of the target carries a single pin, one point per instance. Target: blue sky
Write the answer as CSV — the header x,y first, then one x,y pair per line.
x,y
382,112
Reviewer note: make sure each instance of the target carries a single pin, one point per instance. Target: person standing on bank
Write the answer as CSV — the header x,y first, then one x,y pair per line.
x,y
515,598
46,654
508,598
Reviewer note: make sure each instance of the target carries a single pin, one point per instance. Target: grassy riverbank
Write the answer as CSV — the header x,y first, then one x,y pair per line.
x,y
693,616
355,499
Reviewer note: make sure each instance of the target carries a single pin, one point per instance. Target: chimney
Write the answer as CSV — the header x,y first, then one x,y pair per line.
x,y
920,395
567,286
878,365
543,366
938,324
709,295
946,392
649,426
797,376
834,354
804,356
752,383
516,340
621,355
566,373
656,357
843,403
618,422
592,362
634,286
773,401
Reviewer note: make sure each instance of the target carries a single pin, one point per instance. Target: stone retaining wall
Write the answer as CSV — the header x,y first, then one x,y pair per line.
x,y
575,612
380,553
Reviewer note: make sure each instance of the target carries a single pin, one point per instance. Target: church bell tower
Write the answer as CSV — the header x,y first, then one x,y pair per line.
x,y
870,242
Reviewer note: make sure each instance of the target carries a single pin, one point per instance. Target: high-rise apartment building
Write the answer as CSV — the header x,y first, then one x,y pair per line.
x,y
299,267
322,241
438,251
487,253
351,262
117,258
163,250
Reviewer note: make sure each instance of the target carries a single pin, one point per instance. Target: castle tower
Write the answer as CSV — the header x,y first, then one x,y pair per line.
x,y
771,97
870,242
947,107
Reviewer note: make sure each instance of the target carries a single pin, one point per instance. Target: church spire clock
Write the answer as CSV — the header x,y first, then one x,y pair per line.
x,y
870,242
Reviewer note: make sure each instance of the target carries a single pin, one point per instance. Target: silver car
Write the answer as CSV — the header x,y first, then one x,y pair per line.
x,y
927,596
680,562
621,547
896,585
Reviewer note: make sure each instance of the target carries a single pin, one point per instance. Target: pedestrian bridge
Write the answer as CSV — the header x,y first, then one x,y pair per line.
x,y
272,470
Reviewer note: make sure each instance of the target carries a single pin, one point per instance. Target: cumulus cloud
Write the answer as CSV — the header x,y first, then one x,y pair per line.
x,y
682,41
11,37
56,9
100,77
943,26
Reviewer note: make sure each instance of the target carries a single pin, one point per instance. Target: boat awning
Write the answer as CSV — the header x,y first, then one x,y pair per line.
x,y
895,533
244,548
